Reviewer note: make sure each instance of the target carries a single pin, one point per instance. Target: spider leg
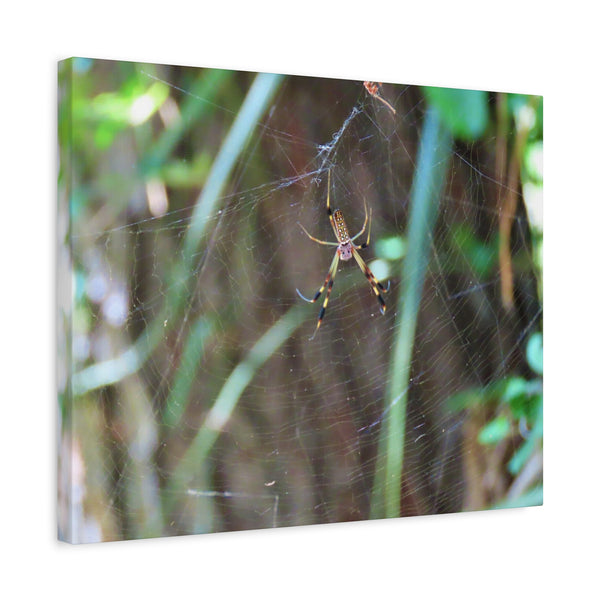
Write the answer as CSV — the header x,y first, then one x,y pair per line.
x,y
365,223
327,283
326,302
375,285
329,212
333,266
314,239
368,217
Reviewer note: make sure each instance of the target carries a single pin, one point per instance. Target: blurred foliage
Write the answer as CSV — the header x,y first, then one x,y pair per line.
x,y
391,248
516,406
514,403
479,255
464,112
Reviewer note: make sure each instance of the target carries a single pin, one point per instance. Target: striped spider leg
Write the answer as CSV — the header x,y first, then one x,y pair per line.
x,y
345,250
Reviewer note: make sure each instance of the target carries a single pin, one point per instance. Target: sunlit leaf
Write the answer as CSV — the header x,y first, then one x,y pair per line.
x,y
518,102
145,105
533,160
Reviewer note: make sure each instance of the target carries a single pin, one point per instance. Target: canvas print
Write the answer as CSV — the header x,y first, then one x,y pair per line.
x,y
290,300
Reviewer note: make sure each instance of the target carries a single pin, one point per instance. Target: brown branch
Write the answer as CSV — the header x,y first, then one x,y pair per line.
x,y
508,204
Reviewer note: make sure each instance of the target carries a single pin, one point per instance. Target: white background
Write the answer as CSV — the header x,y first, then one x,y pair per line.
x,y
549,49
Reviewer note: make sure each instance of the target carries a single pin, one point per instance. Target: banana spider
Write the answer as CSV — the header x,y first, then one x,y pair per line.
x,y
346,249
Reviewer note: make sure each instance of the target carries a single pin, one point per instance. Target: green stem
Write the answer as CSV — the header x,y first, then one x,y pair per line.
x,y
254,105
191,359
226,401
434,150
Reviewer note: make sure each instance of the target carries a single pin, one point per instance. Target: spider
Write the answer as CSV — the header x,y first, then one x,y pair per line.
x,y
346,249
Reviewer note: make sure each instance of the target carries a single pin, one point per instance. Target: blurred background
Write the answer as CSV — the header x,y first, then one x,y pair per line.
x,y
191,396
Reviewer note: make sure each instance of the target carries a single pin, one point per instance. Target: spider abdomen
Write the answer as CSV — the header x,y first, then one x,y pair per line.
x,y
340,227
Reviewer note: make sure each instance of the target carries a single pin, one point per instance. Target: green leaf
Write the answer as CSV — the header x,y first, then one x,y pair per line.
x,y
516,388
472,397
465,399
526,449
105,133
179,173
481,256
391,248
523,397
535,353
464,112
533,161
483,259
519,102
495,431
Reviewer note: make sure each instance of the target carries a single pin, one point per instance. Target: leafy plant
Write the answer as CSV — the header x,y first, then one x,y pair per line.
x,y
517,405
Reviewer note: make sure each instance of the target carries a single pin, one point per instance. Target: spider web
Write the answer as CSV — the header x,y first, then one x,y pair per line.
x,y
201,403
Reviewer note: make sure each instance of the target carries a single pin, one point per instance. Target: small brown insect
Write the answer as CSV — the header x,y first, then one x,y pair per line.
x,y
373,89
